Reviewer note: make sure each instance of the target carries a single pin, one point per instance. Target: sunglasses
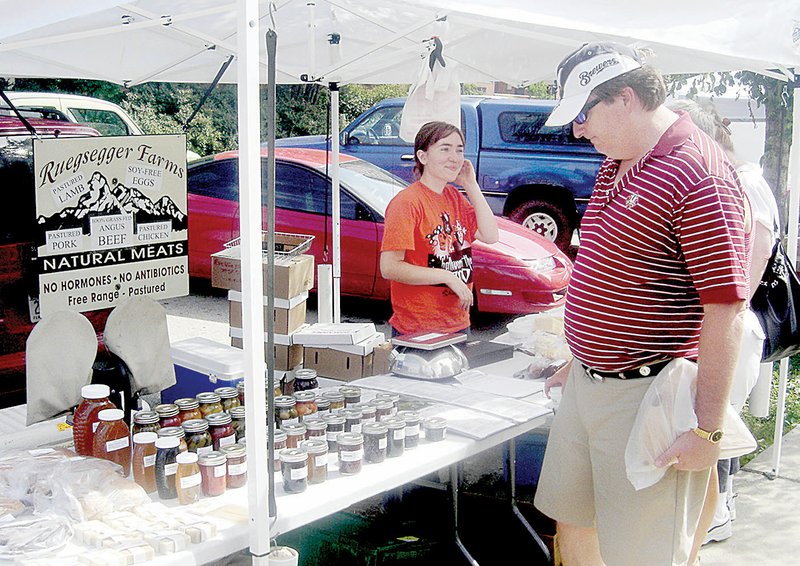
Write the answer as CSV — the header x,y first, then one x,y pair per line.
x,y
583,115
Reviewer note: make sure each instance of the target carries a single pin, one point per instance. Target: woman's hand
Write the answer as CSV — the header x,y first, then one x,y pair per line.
x,y
466,177
461,290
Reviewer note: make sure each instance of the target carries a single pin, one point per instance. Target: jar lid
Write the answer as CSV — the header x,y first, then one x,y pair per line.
x,y
237,412
434,422
214,458
314,446
305,396
322,403
291,455
382,403
394,422
186,458
349,438
187,403
294,429
167,442
208,397
226,392
175,431
166,410
110,415
335,418
145,438
351,414
280,436
305,373
195,425
95,391
366,409
409,416
285,401
233,450
333,396
395,397
218,419
350,391
374,429
145,417
315,423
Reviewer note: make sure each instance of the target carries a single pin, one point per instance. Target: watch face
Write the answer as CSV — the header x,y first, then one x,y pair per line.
x,y
716,436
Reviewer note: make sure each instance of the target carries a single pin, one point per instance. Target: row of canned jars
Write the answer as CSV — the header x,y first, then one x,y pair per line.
x,y
297,407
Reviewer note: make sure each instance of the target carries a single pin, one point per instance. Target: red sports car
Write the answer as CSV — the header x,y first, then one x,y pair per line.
x,y
522,273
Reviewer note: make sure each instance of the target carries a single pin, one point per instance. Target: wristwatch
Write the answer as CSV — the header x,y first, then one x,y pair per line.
x,y
713,436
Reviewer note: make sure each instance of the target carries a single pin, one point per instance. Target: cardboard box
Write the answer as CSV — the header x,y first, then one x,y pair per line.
x,y
288,315
294,275
381,358
286,357
336,364
332,333
363,348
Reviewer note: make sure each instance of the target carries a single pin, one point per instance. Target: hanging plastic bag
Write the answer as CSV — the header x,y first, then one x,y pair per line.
x,y
666,412
435,96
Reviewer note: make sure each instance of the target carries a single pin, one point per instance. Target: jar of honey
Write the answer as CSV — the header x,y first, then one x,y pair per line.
x,y
112,441
187,478
143,460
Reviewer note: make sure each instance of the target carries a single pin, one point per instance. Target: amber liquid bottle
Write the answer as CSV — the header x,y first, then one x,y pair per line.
x,y
85,421
112,439
187,478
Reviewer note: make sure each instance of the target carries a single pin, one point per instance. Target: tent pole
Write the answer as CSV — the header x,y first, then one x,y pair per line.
x,y
337,251
791,251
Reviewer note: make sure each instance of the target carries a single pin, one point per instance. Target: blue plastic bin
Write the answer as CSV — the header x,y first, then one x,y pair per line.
x,y
203,365
530,454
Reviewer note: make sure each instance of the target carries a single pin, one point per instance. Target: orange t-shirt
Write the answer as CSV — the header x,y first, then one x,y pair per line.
x,y
434,230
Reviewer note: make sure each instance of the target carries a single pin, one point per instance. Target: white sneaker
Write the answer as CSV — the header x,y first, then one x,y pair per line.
x,y
719,532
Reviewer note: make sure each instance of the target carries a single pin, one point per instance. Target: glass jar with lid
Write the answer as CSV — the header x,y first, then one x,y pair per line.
x,y
189,408
187,478
352,420
383,408
213,472
323,405
198,439
351,452
315,426
177,432
85,420
240,392
294,469
368,412
228,397
396,440
112,440
220,426
352,394
317,450
145,421
295,434
335,398
393,397
279,444
335,426
238,422
168,414
305,403
305,379
434,428
375,435
143,460
210,403
412,428
285,410
237,465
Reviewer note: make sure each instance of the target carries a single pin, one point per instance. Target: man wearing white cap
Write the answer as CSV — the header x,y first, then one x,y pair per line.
x,y
660,274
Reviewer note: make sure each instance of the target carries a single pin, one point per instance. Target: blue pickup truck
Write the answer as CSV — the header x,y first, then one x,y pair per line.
x,y
537,176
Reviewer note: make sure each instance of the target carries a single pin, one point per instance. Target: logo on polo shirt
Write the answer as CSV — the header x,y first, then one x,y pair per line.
x,y
631,201
586,76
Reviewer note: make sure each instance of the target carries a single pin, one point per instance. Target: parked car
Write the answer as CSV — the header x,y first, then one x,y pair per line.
x,y
18,282
538,176
522,273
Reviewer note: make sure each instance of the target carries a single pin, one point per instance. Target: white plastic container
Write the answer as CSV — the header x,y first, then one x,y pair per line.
x,y
203,365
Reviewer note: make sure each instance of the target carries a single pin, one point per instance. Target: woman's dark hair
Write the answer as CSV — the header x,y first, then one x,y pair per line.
x,y
428,135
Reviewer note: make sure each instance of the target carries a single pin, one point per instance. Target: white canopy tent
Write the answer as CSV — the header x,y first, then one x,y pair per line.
x,y
380,41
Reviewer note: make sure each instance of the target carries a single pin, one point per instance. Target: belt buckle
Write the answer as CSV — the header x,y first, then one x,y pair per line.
x,y
592,375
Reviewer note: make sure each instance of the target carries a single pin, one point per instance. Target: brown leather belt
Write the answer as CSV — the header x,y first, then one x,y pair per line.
x,y
650,370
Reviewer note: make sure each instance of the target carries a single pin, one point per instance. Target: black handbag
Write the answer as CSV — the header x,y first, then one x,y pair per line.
x,y
776,303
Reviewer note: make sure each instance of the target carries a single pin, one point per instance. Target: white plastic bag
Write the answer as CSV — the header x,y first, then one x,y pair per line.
x,y
666,412
436,96
749,364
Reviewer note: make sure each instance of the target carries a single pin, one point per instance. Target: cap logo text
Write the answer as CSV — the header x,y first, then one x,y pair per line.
x,y
586,76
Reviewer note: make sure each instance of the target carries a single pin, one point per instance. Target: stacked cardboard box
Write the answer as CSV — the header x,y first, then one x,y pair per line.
x,y
343,351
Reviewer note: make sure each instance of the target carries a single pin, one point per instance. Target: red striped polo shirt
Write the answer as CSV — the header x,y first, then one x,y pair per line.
x,y
655,248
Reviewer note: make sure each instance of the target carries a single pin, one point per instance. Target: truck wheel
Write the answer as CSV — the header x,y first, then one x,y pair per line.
x,y
546,219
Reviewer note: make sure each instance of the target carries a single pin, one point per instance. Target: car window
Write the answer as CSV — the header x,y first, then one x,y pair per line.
x,y
106,122
301,189
529,128
218,179
382,127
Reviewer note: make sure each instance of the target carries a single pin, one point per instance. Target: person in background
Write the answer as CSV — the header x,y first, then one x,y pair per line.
x,y
661,273
426,251
720,509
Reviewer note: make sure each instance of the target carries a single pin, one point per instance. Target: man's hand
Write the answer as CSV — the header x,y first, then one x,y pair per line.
x,y
558,379
689,453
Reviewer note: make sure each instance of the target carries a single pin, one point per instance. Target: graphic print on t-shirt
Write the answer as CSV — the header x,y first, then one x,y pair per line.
x,y
448,250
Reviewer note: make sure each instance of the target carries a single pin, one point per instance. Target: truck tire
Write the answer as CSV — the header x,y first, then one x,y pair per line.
x,y
546,219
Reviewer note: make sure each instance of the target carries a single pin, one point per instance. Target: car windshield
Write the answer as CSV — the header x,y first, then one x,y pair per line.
x,y
373,185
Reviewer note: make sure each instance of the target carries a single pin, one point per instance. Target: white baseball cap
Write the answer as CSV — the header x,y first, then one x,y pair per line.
x,y
581,71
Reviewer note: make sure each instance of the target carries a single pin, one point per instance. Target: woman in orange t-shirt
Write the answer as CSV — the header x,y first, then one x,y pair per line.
x,y
429,228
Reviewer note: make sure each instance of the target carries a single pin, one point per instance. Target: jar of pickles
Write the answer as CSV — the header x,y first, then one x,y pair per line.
x,y
279,441
351,452
168,415
285,411
317,450
228,397
189,408
412,428
210,403
315,427
396,440
305,403
240,392
237,464
305,379
383,408
177,432
368,412
198,439
335,398
294,469
238,422
374,442
145,421
213,473
352,420
220,426
352,395
393,397
335,426
323,405
295,434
